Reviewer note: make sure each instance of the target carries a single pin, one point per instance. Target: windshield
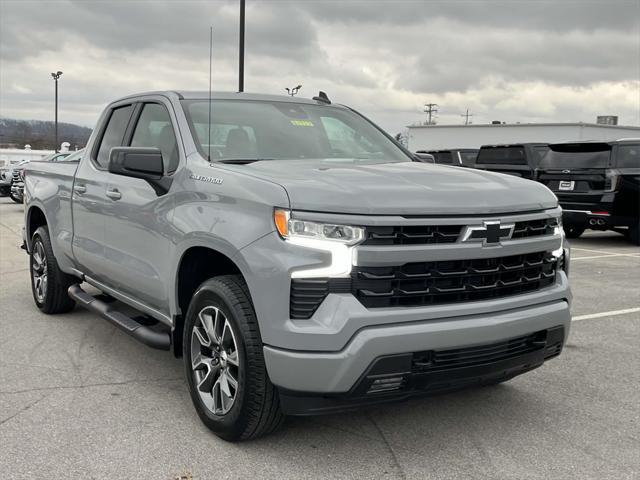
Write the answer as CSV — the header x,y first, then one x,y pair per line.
x,y
263,130
577,155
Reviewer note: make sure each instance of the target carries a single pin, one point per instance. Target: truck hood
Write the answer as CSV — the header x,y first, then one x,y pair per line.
x,y
408,188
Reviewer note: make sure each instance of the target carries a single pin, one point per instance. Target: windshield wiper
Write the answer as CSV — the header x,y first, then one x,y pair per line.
x,y
242,161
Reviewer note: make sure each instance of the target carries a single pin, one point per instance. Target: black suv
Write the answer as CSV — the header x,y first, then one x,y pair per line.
x,y
462,157
597,184
520,159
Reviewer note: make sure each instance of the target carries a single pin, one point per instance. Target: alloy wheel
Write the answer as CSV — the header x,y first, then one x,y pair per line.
x,y
39,271
215,360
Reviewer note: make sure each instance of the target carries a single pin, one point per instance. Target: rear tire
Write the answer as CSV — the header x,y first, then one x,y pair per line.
x,y
224,363
573,231
49,284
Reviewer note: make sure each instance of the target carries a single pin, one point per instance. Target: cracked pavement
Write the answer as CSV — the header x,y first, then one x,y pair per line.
x,y
80,399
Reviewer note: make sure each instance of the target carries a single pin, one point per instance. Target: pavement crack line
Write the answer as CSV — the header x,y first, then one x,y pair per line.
x,y
81,386
394,458
22,410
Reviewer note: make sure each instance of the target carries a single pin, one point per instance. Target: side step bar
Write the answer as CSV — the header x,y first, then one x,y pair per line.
x,y
142,333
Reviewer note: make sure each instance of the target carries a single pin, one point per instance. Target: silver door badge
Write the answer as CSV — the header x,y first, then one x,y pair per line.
x,y
204,178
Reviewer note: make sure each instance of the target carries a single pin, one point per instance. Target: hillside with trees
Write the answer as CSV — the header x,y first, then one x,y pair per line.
x,y
40,134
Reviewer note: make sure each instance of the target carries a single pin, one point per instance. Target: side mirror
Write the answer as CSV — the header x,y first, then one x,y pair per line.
x,y
424,157
140,162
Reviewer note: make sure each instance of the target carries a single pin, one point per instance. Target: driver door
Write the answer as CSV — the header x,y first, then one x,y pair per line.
x,y
138,232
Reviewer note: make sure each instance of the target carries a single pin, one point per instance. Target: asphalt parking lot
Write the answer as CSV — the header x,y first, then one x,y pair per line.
x,y
80,399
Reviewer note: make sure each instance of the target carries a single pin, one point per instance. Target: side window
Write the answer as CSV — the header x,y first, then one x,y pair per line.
x,y
629,156
154,129
113,134
59,158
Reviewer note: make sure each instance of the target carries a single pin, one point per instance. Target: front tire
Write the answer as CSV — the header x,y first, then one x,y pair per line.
x,y
15,198
224,363
49,284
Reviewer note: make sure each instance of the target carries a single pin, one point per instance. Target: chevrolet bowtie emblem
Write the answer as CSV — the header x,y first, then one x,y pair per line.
x,y
491,233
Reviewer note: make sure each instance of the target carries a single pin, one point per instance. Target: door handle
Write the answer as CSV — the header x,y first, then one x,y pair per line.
x,y
79,189
114,194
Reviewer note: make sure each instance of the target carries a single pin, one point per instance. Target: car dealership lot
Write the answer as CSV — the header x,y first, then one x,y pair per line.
x,y
78,398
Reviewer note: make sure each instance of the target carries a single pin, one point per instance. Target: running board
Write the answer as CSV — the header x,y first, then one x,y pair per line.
x,y
142,333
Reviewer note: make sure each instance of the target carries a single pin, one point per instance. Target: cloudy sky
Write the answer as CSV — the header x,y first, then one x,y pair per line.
x,y
526,61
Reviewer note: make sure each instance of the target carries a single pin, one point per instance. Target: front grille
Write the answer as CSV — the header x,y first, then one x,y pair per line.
x,y
412,234
534,228
431,283
443,360
432,234
15,176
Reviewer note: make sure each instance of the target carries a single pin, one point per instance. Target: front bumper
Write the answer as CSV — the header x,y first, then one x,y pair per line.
x,y
338,372
398,377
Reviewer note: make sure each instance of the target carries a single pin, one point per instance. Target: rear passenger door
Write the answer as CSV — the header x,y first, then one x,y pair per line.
x,y
138,232
89,205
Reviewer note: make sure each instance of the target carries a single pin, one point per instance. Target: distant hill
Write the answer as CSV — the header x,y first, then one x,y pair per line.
x,y
40,134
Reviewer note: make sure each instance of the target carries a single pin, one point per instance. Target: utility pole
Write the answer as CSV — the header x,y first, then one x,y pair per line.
x,y
431,109
466,117
241,59
56,76
293,91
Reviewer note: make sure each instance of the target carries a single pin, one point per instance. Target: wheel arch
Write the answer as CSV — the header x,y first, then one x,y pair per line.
x,y
196,264
36,218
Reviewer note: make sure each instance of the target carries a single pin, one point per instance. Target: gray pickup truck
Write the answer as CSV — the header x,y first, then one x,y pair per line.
x,y
295,256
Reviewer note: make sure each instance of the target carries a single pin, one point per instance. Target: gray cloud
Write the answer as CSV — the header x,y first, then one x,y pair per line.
x,y
521,60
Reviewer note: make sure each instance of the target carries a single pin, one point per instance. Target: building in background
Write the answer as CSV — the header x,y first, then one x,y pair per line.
x,y
436,137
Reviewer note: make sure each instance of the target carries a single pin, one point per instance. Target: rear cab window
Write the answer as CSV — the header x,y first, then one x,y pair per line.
x,y
577,156
444,157
113,134
502,155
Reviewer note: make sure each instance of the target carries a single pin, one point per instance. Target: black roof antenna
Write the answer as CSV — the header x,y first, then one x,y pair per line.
x,y
210,62
322,97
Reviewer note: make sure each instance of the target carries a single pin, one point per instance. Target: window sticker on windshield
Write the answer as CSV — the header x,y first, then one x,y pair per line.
x,y
302,123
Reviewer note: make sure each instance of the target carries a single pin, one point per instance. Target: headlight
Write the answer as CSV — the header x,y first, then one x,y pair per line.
x,y
290,228
338,240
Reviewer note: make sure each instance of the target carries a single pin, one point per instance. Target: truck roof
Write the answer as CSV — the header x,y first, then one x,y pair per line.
x,y
204,95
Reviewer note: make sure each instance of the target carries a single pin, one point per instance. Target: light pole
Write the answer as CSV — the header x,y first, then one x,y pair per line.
x,y
241,49
293,91
56,76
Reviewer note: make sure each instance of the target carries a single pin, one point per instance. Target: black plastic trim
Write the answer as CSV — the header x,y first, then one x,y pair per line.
x,y
148,336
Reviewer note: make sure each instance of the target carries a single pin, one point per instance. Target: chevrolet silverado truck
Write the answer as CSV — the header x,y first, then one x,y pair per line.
x,y
295,256
597,184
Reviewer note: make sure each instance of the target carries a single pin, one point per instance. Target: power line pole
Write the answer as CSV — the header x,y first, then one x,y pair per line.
x,y
431,109
466,117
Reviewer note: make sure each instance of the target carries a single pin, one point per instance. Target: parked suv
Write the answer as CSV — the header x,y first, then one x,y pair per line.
x,y
462,157
597,183
520,160
295,256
